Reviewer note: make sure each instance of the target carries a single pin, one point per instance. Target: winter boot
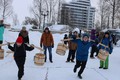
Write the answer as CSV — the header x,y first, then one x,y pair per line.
x,y
51,61
105,68
79,75
72,61
100,67
92,57
75,70
19,78
67,61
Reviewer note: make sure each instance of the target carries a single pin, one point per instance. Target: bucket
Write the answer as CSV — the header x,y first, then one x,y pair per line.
x,y
1,53
102,55
39,59
61,49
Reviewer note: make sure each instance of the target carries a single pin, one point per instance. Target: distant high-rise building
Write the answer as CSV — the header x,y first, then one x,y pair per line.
x,y
78,13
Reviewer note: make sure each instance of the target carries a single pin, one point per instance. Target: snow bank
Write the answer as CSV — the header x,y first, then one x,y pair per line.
x,y
118,43
19,27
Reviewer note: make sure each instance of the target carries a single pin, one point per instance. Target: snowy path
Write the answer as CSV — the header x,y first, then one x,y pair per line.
x,y
59,70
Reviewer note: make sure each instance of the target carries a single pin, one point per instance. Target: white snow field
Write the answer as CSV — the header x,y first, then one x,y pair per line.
x,y
59,69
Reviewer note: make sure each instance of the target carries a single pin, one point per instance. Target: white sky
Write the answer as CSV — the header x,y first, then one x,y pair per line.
x,y
21,7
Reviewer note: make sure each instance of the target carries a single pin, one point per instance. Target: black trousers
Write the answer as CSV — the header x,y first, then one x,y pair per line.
x,y
71,55
20,64
93,50
81,64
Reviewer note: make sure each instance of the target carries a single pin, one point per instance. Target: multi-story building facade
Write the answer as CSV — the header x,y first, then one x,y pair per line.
x,y
78,13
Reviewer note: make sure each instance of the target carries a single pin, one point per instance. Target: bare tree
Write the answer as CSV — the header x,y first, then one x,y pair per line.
x,y
31,21
104,12
6,8
52,4
59,10
38,7
115,6
15,19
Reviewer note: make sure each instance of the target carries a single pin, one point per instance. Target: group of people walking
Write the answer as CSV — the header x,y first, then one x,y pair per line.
x,y
82,49
78,46
21,46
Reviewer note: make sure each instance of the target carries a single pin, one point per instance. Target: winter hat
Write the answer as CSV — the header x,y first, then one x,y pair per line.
x,y
19,40
107,33
23,28
75,32
47,28
65,35
85,35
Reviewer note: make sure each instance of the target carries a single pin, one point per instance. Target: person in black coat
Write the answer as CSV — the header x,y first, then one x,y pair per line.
x,y
20,55
24,34
65,37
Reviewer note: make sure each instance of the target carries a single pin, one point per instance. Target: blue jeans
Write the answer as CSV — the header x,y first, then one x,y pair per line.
x,y
50,52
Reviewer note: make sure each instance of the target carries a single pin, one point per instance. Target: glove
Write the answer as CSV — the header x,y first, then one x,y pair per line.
x,y
53,46
41,45
32,45
8,43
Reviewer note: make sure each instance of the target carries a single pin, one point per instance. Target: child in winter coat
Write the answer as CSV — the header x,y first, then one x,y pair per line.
x,y
1,32
20,55
82,53
107,42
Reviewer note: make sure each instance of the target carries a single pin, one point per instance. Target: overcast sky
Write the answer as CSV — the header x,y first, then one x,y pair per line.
x,y
21,7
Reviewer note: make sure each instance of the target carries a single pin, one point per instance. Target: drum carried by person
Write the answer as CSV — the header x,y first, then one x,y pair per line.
x,y
102,55
1,54
39,59
61,49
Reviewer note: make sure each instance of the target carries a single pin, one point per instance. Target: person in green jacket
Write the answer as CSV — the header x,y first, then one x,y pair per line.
x,y
1,32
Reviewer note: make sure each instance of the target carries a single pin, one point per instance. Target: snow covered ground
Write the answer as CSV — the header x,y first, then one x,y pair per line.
x,y
59,69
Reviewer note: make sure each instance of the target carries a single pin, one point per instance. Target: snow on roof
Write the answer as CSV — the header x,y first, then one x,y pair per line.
x,y
78,30
58,27
117,30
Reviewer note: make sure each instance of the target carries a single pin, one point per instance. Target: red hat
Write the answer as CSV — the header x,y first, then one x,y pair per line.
x,y
19,40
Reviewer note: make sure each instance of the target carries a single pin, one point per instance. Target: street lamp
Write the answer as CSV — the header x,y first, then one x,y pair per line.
x,y
44,14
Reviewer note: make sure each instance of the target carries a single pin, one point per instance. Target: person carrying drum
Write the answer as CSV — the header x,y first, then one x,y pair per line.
x,y
1,32
19,49
106,42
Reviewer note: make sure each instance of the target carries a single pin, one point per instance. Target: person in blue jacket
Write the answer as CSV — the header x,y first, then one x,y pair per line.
x,y
1,32
108,43
82,53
